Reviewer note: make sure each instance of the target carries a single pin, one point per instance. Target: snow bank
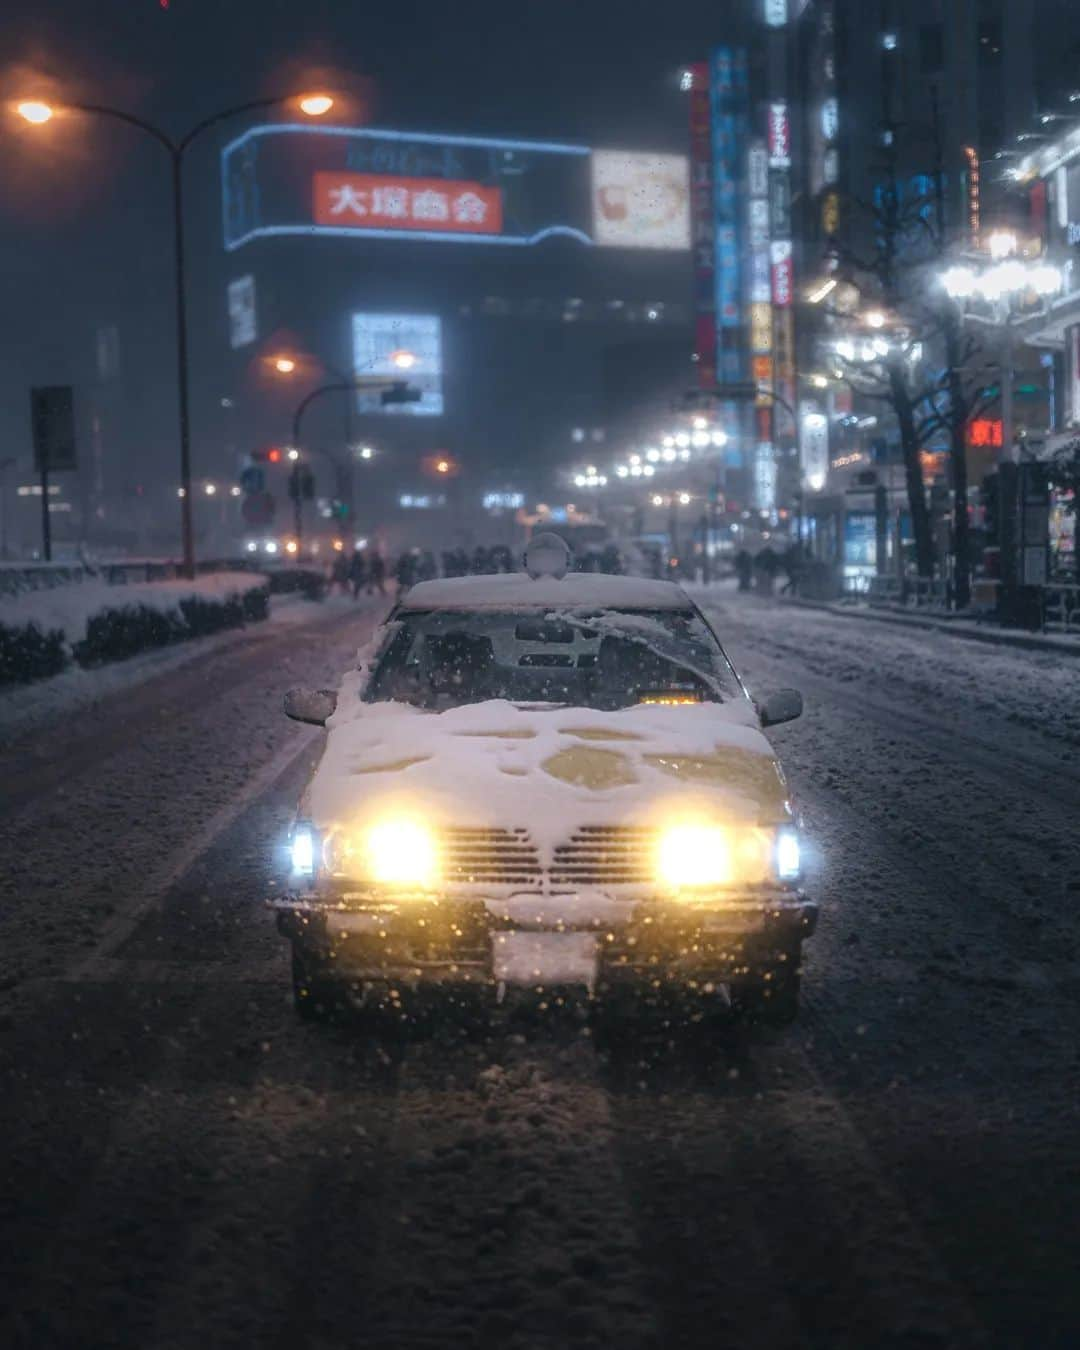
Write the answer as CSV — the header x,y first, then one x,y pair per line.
x,y
70,608
94,622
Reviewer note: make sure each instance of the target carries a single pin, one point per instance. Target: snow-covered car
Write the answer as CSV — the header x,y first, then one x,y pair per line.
x,y
546,778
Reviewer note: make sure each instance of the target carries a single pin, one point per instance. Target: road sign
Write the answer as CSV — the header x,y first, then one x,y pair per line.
x,y
253,479
52,417
258,509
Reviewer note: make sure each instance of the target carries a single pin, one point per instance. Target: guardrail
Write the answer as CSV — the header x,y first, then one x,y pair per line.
x,y
18,578
1061,607
916,592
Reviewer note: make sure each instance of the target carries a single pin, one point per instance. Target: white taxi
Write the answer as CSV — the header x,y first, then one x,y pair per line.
x,y
546,778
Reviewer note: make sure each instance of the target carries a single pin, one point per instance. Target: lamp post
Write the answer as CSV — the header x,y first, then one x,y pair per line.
x,y
1000,287
37,113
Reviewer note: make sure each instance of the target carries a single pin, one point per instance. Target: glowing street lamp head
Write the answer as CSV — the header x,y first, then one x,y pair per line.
x,y
284,365
403,360
443,466
316,105
34,111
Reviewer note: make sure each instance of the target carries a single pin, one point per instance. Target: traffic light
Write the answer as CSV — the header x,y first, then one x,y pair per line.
x,y
268,456
400,392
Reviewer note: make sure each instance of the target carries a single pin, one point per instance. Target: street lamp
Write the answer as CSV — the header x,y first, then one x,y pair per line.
x,y
1001,287
37,112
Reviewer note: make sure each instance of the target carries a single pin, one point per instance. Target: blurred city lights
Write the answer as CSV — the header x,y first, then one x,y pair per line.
x,y
293,453
210,489
35,112
404,360
316,105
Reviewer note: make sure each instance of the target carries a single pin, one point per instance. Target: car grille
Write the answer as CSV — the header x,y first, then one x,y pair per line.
x,y
605,855
492,857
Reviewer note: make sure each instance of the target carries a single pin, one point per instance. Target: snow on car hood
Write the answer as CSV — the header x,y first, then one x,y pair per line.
x,y
547,769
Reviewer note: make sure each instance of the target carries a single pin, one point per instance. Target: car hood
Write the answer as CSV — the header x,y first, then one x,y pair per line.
x,y
497,764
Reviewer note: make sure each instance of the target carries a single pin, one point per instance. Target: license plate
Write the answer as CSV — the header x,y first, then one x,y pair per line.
x,y
544,959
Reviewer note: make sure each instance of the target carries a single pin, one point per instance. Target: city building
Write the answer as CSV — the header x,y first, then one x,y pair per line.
x,y
536,296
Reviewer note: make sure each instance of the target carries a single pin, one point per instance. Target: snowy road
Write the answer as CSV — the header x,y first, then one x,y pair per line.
x,y
188,1165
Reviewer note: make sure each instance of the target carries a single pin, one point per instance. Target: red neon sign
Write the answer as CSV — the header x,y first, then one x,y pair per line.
x,y
368,201
985,431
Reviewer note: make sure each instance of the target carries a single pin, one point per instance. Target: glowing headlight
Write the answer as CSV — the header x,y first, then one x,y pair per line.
x,y
302,850
401,852
694,855
788,859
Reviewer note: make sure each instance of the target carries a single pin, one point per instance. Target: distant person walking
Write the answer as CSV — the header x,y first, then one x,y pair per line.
x,y
376,573
744,569
767,564
339,574
357,572
793,566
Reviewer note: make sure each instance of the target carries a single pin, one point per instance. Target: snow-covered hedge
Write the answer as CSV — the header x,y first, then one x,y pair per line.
x,y
41,632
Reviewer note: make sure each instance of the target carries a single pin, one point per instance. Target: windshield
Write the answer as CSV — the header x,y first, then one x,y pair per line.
x,y
590,659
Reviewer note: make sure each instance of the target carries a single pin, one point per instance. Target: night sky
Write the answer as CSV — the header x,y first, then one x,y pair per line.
x,y
84,223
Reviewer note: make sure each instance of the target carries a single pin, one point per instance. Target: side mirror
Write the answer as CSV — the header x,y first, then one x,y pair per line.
x,y
783,706
310,705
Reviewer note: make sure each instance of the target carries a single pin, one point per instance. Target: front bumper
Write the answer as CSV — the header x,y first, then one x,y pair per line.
x,y
535,939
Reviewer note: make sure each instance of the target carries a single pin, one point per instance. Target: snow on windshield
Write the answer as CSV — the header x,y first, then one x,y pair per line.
x,y
584,657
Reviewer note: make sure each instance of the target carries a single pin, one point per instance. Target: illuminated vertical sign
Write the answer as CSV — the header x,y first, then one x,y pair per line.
x,y
774,12
814,446
241,304
703,224
779,135
974,195
783,274
729,89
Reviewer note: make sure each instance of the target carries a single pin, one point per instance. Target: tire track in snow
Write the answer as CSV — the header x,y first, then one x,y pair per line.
x,y
512,1224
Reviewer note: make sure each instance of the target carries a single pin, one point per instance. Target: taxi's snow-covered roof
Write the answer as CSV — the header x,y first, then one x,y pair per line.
x,y
517,590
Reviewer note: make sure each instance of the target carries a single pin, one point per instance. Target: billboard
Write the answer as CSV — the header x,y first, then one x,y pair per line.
x,y
289,179
240,297
641,201
377,339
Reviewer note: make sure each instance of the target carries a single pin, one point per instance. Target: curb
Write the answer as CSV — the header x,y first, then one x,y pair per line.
x,y
1035,642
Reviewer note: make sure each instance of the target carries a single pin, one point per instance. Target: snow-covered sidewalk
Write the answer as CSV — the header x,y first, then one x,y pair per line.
x,y
959,626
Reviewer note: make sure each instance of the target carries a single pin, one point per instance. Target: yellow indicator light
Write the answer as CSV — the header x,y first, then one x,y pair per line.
x,y
671,700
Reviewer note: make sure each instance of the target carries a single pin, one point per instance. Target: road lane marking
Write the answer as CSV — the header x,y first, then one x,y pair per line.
x,y
121,926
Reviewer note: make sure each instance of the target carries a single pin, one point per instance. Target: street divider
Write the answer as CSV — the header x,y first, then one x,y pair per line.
x,y
43,632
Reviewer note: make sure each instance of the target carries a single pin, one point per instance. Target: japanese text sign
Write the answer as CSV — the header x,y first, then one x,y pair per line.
x,y
379,201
